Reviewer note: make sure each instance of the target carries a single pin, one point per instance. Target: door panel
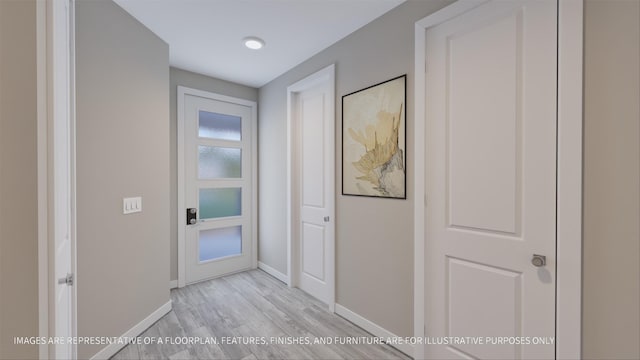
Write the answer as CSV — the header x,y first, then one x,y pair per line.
x,y
315,129
218,183
313,251
473,310
491,170
485,151
312,153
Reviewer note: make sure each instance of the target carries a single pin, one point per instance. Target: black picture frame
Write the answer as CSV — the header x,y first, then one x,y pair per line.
x,y
374,136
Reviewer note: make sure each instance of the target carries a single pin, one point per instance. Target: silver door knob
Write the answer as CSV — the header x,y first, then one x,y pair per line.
x,y
192,221
66,280
539,260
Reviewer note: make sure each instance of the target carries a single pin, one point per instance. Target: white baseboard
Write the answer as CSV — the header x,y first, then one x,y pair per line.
x,y
273,272
173,284
138,329
373,328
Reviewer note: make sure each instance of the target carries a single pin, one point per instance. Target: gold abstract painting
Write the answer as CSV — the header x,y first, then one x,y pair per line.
x,y
373,140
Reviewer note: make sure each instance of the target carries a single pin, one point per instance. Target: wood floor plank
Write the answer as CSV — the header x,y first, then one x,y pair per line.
x,y
128,352
218,327
188,317
182,355
151,351
171,334
205,351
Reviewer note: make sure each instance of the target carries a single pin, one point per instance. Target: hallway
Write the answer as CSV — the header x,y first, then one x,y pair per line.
x,y
252,306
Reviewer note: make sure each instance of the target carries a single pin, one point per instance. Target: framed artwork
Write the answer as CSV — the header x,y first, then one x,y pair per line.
x,y
373,140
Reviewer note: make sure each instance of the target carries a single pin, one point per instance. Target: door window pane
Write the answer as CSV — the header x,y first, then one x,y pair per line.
x,y
217,243
219,126
222,202
219,162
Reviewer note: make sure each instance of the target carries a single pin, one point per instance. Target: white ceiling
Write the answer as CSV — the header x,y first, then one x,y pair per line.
x,y
205,36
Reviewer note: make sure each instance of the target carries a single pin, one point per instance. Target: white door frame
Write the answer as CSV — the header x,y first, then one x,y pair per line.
x,y
55,137
569,178
293,209
182,92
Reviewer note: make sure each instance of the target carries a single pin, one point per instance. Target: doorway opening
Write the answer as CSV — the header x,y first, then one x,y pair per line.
x,y
311,185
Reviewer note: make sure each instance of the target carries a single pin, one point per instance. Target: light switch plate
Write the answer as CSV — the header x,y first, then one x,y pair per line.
x,y
131,205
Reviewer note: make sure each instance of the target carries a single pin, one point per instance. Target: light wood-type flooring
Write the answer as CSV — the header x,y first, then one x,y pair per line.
x,y
247,307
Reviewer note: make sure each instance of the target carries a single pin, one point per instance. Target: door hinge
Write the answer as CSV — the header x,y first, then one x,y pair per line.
x,y
66,280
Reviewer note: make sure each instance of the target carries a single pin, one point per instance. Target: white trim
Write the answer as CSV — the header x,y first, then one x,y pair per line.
x,y
456,9
182,267
254,184
273,272
136,330
173,284
214,96
289,196
374,329
326,74
43,118
569,207
182,92
73,167
419,200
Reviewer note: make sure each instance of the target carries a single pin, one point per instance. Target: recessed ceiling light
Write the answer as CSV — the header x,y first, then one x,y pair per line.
x,y
253,42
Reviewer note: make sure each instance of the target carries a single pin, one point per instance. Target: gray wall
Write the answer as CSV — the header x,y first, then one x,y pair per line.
x,y
122,151
200,82
611,292
119,61
18,179
374,237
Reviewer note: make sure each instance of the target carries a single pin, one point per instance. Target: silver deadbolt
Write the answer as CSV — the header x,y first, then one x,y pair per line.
x,y
539,260
66,280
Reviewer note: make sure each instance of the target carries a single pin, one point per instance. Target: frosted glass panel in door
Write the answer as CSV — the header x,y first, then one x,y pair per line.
x,y
219,126
218,243
220,202
219,162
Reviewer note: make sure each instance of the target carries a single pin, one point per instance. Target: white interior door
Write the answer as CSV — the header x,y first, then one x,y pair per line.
x,y
491,181
62,323
218,210
314,123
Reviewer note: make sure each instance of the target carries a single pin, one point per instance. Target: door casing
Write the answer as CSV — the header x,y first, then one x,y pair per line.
x,y
293,207
182,92
569,172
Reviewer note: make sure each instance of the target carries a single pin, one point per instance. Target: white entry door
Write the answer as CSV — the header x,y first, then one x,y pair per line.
x,y
491,182
218,209
313,123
